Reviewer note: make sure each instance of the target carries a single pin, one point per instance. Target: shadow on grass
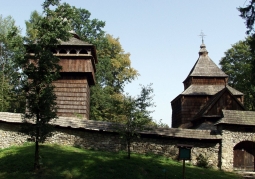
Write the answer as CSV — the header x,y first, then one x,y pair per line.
x,y
68,162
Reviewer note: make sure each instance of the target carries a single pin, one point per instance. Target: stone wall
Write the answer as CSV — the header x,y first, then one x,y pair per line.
x,y
232,135
108,141
9,135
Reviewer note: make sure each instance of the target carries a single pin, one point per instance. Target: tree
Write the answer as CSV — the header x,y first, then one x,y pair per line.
x,y
31,29
248,14
9,71
113,72
134,115
237,63
41,69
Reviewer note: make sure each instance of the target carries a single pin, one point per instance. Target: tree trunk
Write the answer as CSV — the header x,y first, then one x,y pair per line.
x,y
128,146
37,158
36,162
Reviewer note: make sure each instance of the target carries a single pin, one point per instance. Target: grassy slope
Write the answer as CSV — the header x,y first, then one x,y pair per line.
x,y
69,162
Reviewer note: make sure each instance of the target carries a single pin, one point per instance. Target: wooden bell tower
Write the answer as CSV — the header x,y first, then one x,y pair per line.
x,y
78,60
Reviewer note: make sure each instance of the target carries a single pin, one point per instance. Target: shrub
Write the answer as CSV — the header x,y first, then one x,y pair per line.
x,y
202,161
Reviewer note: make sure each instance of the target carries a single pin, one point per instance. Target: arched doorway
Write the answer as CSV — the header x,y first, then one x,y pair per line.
x,y
244,156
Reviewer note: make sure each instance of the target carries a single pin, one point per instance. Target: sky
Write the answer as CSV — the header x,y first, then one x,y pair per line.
x,y
162,37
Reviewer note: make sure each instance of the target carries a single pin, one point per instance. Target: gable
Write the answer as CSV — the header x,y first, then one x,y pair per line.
x,y
222,100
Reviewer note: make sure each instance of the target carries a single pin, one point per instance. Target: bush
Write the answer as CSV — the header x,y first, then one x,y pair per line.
x,y
202,161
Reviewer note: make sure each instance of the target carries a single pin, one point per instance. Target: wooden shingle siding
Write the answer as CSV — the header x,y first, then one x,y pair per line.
x,y
208,81
76,65
73,95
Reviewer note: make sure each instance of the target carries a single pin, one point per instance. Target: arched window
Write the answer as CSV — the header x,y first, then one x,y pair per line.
x,y
72,51
83,51
62,51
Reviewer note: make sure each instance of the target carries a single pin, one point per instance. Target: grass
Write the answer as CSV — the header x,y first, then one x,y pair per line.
x,y
62,162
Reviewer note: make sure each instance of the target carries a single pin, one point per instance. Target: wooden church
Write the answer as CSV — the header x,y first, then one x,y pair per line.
x,y
206,93
78,60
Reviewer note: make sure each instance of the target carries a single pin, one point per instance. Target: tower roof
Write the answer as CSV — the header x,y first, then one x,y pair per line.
x,y
204,66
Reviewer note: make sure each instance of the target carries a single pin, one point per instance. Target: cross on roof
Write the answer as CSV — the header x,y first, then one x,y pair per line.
x,y
202,36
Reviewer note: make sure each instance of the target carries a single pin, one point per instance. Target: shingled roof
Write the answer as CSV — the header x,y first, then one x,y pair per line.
x,y
208,90
237,117
112,127
205,67
75,41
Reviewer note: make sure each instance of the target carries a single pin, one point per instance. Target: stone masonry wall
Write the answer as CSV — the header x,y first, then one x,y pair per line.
x,y
112,142
9,135
231,136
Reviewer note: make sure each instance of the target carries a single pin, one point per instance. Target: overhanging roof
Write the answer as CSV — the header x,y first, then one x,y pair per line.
x,y
208,90
237,117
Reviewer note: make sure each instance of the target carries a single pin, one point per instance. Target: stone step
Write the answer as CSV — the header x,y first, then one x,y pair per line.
x,y
248,175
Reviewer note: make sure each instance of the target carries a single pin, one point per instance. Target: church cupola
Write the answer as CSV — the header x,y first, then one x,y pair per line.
x,y
203,50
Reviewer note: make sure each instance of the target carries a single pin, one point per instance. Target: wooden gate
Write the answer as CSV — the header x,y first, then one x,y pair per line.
x,y
244,156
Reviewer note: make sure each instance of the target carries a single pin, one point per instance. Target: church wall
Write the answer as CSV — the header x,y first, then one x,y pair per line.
x,y
204,81
208,81
190,106
107,141
176,112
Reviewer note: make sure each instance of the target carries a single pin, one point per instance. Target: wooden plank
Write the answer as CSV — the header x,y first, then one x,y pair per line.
x,y
70,85
76,65
71,90
71,94
74,103
66,106
72,111
70,98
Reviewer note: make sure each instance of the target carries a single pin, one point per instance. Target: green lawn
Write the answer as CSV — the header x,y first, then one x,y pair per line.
x,y
70,162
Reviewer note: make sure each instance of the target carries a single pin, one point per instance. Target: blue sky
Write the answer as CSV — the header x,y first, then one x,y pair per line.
x,y
162,37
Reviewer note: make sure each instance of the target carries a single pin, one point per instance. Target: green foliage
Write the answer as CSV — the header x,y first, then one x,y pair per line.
x,y
202,161
89,30
31,29
68,162
9,71
248,14
237,63
40,68
134,115
113,72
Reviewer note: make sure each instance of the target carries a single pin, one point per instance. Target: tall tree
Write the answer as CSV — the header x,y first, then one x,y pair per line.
x,y
31,29
113,72
41,68
237,63
248,14
134,115
9,71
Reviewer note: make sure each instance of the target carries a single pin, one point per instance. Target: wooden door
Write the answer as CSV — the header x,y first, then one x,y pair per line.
x,y
243,156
